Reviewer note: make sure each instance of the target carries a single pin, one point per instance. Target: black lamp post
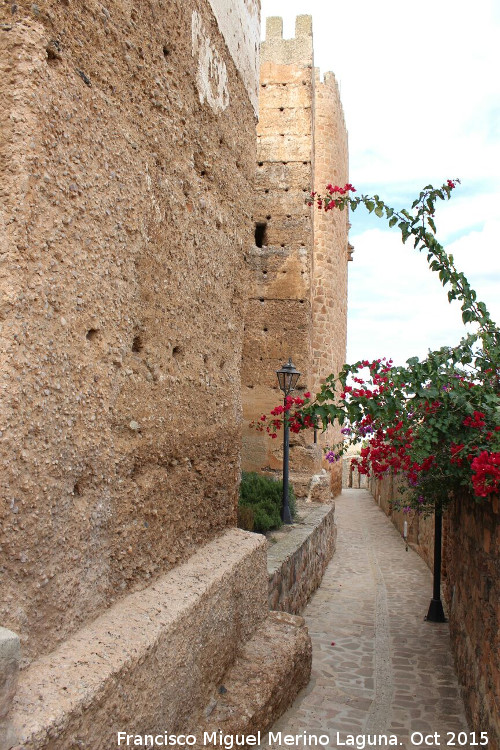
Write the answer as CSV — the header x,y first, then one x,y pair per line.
x,y
436,612
287,379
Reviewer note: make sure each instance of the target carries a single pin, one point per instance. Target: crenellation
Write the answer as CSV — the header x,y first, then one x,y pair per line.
x,y
296,153
297,51
274,27
303,26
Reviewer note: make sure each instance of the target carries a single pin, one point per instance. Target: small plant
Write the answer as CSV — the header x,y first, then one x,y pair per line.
x,y
259,507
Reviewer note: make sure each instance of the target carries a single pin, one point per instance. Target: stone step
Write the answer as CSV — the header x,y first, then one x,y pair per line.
x,y
273,666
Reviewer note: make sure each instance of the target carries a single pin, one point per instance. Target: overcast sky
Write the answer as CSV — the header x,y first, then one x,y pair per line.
x,y
420,87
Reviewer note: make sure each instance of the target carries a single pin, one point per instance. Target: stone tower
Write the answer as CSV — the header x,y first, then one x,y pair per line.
x,y
298,267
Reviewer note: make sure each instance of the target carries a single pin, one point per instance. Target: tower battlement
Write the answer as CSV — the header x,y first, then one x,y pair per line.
x,y
298,50
298,268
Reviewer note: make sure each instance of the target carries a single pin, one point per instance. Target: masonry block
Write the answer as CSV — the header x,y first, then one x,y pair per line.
x,y
292,95
276,176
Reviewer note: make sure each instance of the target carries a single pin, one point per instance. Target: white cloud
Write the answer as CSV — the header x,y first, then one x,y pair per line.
x,y
421,99
398,307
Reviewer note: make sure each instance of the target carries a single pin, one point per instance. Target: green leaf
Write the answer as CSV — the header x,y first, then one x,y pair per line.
x,y
393,221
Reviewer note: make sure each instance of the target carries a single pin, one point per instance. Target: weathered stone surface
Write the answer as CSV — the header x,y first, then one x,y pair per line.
x,y
275,176
290,121
284,147
329,286
281,202
277,271
319,489
472,587
127,153
125,176
298,555
289,51
278,324
274,665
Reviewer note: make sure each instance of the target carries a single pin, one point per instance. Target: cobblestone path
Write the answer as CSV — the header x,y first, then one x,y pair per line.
x,y
388,671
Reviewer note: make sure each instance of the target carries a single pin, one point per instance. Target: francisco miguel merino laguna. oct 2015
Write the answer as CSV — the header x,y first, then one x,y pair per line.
x,y
229,741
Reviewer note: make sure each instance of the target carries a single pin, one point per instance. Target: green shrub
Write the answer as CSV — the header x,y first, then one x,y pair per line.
x,y
263,497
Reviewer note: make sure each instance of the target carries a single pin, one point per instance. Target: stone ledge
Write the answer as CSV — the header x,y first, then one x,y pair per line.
x,y
273,666
181,634
299,555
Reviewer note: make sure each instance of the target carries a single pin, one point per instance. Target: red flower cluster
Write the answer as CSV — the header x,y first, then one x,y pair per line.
x,y
379,379
486,473
431,408
328,203
342,191
389,450
477,421
296,420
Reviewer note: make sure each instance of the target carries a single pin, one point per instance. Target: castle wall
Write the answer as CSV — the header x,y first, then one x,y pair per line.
x,y
298,266
125,215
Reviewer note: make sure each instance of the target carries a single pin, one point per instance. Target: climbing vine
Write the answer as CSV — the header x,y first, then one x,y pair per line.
x,y
435,419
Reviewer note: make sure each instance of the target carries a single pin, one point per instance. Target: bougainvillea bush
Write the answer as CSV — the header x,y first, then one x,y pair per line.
x,y
435,420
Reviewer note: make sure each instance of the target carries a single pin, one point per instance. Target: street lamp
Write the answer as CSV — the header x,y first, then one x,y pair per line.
x,y
436,611
287,379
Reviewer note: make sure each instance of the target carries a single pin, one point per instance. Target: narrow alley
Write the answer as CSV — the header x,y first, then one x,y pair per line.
x,y
378,666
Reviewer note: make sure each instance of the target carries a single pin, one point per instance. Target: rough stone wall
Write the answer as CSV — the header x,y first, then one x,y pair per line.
x,y
472,553
298,558
298,276
125,214
331,254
